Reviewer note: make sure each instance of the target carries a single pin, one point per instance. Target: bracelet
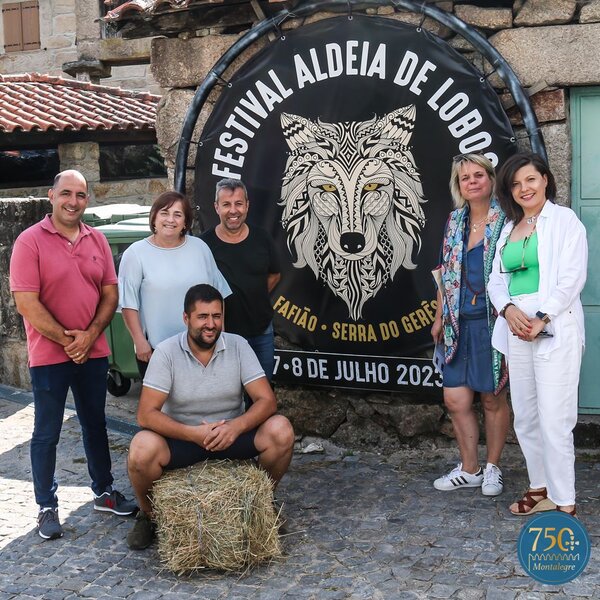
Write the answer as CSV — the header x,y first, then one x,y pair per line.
x,y
501,313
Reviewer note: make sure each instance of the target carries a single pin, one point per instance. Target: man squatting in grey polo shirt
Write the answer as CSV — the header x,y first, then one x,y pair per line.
x,y
192,408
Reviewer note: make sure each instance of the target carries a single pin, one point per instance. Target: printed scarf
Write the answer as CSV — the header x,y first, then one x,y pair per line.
x,y
452,261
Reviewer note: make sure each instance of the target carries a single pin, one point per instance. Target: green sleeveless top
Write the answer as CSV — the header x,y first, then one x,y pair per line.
x,y
520,259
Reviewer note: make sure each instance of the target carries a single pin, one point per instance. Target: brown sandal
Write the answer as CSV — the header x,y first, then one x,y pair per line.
x,y
528,505
572,512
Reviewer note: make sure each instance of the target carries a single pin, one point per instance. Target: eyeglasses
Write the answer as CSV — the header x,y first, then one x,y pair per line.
x,y
523,267
466,156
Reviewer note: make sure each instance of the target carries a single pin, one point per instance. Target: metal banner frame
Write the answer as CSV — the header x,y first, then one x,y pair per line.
x,y
306,9
355,371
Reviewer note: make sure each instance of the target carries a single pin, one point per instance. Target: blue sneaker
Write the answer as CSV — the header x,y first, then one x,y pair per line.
x,y
114,502
49,527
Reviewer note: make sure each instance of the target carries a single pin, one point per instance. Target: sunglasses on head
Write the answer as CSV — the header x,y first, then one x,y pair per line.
x,y
466,156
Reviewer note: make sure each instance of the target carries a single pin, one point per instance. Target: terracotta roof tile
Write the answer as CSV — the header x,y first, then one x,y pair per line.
x,y
144,6
34,102
125,9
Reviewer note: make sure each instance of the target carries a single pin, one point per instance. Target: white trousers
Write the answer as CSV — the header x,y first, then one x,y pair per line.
x,y
543,391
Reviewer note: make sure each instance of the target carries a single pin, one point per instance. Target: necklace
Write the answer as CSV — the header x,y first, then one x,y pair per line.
x,y
478,224
533,218
474,292
474,226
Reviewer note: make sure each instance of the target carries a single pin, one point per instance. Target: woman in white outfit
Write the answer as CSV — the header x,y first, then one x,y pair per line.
x,y
539,271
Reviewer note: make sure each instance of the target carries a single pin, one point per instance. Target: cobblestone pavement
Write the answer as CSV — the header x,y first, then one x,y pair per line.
x,y
360,526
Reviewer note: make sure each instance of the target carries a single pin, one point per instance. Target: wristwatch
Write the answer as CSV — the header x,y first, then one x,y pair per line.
x,y
543,316
503,311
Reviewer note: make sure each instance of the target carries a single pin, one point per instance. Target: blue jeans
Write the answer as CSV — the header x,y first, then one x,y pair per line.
x,y
264,348
50,386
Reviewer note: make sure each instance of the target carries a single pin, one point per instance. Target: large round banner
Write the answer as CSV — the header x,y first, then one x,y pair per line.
x,y
344,132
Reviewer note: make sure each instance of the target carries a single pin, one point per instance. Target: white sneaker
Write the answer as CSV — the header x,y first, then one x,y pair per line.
x,y
457,478
492,480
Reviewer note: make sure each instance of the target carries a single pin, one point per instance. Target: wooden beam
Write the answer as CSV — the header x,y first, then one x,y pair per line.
x,y
260,13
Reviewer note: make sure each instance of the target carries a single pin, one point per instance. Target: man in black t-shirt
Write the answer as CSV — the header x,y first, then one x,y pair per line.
x,y
246,257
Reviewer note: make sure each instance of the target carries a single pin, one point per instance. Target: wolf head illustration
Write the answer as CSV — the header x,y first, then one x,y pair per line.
x,y
351,198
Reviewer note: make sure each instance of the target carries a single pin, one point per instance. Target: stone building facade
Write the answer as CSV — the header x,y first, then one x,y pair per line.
x,y
106,133
84,156
550,44
71,33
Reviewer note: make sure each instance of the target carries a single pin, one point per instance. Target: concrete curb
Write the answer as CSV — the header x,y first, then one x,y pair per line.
x,y
25,398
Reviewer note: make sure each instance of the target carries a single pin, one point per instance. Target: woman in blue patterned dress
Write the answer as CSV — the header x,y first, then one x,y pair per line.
x,y
464,322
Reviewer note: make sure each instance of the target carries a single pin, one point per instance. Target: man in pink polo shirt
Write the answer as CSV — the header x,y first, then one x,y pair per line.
x,y
65,287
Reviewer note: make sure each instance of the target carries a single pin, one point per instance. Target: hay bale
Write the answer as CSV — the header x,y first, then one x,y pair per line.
x,y
216,515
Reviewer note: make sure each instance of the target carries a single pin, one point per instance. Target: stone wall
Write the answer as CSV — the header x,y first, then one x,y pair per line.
x,y
539,38
57,37
84,156
15,216
383,421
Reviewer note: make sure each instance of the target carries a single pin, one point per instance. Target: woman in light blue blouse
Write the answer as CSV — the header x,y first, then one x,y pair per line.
x,y
155,273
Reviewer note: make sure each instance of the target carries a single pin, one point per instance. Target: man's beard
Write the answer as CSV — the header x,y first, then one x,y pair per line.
x,y
197,339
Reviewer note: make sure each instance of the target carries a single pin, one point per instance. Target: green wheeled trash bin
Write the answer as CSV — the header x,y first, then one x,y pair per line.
x,y
113,213
122,364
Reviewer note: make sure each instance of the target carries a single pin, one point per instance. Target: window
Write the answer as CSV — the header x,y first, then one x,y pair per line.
x,y
21,26
118,161
108,29
26,168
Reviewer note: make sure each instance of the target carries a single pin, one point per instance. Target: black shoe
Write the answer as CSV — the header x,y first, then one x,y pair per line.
x,y
48,524
114,502
142,534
